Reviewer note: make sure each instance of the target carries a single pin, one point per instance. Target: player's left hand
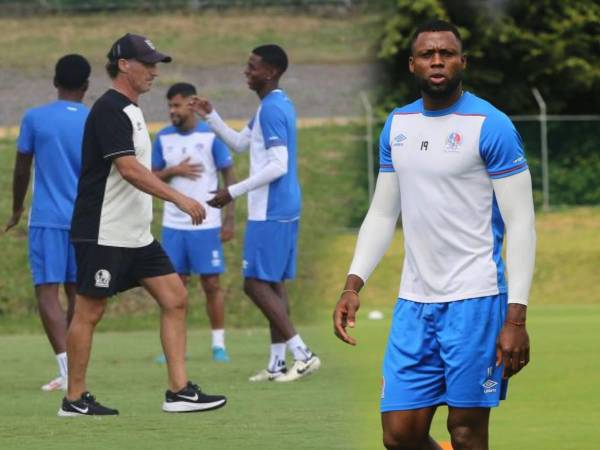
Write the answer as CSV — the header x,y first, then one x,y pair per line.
x,y
222,197
512,347
344,315
14,219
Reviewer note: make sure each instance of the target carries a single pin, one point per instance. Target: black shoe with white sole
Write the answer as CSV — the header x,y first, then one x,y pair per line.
x,y
192,399
86,405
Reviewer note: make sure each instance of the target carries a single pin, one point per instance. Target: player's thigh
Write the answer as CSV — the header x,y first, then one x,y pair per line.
x,y
205,251
467,336
413,372
50,251
266,250
168,290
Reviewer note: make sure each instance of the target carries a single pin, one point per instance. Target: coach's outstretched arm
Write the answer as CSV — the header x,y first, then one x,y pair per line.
x,y
375,235
236,141
515,201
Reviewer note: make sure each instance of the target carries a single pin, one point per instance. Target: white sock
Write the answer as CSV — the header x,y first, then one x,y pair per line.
x,y
218,338
298,348
277,358
61,359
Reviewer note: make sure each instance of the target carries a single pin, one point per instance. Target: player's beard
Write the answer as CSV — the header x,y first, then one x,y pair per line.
x,y
440,92
177,121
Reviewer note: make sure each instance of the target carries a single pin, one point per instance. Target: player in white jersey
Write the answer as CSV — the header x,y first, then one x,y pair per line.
x,y
273,207
453,166
189,157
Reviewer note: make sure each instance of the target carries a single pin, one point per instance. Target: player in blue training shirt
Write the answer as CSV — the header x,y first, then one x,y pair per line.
x,y
189,157
454,167
273,207
51,135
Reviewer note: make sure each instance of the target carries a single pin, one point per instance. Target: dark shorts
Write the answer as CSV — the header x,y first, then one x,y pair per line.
x,y
104,271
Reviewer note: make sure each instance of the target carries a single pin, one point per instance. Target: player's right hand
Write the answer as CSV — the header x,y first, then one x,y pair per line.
x,y
200,105
344,315
190,206
187,170
14,219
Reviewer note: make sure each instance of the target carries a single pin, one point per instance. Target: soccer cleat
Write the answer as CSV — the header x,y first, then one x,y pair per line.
x,y
219,354
267,375
191,399
85,406
58,384
300,369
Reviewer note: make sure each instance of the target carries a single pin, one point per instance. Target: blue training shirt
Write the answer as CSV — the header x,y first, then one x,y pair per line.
x,y
273,125
53,134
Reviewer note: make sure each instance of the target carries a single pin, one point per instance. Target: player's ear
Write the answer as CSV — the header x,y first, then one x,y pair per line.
x,y
411,64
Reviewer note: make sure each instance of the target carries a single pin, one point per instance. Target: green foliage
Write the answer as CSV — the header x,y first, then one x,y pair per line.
x,y
512,46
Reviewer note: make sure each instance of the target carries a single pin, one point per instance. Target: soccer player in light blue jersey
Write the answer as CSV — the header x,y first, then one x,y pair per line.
x,y
273,207
454,167
189,157
51,135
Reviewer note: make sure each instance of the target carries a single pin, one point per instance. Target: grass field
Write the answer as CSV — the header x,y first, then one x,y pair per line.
x,y
551,405
32,43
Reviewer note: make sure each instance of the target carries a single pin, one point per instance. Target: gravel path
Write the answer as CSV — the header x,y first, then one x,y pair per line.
x,y
318,90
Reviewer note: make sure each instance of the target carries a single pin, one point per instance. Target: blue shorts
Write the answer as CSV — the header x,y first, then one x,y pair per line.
x,y
194,251
444,353
270,249
51,256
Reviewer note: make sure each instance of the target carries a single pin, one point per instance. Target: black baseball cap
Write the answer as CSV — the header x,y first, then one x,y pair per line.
x,y
134,46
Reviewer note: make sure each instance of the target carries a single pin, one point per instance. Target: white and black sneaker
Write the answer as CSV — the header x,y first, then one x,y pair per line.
x,y
86,405
300,369
191,399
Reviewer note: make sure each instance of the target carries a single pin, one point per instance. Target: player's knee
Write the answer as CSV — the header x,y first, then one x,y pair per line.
x,y
403,440
464,438
176,301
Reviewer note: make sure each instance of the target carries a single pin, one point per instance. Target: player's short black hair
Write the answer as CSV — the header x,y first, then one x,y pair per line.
x,y
183,89
435,25
72,72
273,55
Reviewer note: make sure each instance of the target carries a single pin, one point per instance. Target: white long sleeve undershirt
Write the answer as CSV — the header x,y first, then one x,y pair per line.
x,y
277,166
237,141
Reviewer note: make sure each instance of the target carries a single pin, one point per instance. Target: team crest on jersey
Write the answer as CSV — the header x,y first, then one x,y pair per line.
x,y
453,142
102,278
399,140
199,146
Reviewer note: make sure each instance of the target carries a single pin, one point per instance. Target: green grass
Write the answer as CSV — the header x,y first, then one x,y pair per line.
x,y
551,405
332,167
197,40
305,415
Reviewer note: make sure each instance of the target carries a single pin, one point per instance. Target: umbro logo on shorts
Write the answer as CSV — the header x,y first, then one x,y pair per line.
x,y
489,386
102,278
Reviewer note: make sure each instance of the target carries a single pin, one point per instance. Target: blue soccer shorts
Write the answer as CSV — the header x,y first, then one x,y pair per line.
x,y
444,353
51,256
270,249
197,252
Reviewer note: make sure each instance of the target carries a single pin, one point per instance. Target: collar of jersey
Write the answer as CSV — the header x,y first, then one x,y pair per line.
x,y
449,110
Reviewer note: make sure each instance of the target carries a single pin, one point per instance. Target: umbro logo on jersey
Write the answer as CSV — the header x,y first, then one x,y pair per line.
x,y
399,140
102,278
